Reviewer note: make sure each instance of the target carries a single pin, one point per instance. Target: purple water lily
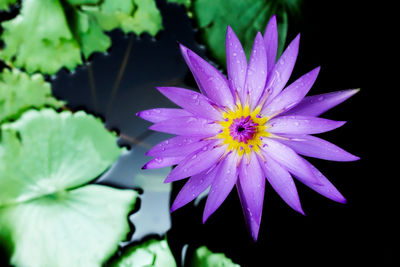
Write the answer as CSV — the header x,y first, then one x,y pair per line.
x,y
241,130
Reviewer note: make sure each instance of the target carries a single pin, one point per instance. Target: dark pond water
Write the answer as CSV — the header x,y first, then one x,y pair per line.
x,y
336,37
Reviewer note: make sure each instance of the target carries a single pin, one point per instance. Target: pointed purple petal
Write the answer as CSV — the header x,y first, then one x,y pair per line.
x,y
188,126
289,159
196,162
271,42
176,146
317,104
191,101
161,162
223,183
256,71
184,52
196,185
251,186
292,95
162,114
282,70
213,82
326,188
236,62
282,182
315,147
302,125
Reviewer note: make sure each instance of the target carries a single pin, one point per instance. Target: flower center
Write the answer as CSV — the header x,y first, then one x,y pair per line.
x,y
243,129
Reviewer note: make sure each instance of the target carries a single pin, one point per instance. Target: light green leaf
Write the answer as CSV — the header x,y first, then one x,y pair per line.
x,y
136,16
19,91
80,228
39,38
203,257
5,4
152,253
83,2
246,17
45,152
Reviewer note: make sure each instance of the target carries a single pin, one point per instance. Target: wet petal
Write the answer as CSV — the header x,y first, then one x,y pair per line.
x,y
196,162
289,159
177,146
282,70
196,185
282,182
213,82
271,42
315,147
292,95
188,126
162,114
184,52
251,186
191,101
236,62
256,71
317,104
226,177
161,162
326,188
302,125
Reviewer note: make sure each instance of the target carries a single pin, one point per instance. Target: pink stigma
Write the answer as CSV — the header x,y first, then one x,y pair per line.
x,y
243,129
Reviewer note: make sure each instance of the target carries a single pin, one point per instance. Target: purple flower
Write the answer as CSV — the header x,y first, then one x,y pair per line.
x,y
241,130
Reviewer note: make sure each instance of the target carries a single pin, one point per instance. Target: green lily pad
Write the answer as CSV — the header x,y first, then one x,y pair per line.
x,y
19,92
45,152
5,4
203,257
152,253
246,17
80,227
186,3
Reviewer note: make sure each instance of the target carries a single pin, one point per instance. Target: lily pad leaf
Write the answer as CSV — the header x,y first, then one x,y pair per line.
x,y
80,227
45,152
136,16
246,17
19,92
203,257
152,253
186,3
5,4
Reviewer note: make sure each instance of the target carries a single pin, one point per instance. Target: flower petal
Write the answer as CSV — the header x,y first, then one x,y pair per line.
x,y
196,162
191,101
196,185
226,177
271,42
251,186
292,95
315,147
289,159
161,162
236,62
184,52
282,70
161,114
188,126
213,82
317,104
302,125
256,71
176,146
325,188
282,182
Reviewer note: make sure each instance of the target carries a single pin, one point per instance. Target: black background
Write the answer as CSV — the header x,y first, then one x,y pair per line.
x,y
350,40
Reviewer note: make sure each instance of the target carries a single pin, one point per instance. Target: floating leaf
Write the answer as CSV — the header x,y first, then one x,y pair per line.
x,y
246,17
80,227
136,16
39,38
203,257
5,4
186,3
19,91
152,253
45,152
